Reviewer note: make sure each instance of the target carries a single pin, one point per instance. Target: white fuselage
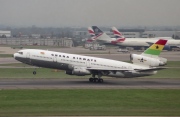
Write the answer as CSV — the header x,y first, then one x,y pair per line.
x,y
65,61
138,42
146,41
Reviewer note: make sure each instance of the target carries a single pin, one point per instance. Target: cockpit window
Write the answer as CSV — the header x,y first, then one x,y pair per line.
x,y
20,53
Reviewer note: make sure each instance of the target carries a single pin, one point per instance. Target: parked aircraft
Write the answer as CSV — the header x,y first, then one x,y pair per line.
x,y
98,35
80,65
143,42
136,43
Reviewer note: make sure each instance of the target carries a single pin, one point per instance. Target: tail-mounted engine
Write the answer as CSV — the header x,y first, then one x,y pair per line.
x,y
145,60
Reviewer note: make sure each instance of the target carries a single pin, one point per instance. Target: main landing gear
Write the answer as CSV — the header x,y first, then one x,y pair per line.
x,y
94,79
100,80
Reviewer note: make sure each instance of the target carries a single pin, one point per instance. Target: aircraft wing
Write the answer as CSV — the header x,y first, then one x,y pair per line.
x,y
126,69
151,69
108,69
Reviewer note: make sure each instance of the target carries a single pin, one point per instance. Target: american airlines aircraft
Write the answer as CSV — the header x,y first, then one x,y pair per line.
x,y
80,65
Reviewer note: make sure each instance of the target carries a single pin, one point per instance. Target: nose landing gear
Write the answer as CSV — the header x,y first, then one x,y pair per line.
x,y
34,72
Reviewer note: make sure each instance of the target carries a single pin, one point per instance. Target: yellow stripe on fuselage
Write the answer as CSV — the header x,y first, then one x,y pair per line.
x,y
157,47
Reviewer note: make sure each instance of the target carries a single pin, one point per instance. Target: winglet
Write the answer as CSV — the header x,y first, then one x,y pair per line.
x,y
156,48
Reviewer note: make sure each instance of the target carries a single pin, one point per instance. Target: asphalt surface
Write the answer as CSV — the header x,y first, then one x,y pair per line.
x,y
80,83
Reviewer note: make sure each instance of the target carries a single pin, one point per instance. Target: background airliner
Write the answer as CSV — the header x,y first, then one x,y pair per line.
x,y
143,42
74,64
136,43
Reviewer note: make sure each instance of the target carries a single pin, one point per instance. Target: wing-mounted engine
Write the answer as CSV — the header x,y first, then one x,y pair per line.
x,y
79,71
149,61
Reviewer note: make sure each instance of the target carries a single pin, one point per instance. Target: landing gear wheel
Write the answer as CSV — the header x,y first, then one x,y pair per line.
x,y
90,79
95,79
34,72
100,80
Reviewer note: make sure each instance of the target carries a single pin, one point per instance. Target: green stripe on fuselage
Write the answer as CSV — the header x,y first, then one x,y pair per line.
x,y
152,51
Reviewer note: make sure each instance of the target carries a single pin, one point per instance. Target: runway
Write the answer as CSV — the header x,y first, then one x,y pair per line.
x,y
80,83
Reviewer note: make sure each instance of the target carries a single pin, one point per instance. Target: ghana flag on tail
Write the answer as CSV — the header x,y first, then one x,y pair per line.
x,y
156,48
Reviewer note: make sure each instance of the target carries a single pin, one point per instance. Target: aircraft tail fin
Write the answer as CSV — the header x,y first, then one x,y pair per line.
x,y
96,30
116,33
100,35
91,31
155,49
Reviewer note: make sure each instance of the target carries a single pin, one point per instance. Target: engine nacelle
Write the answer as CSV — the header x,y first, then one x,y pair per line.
x,y
163,61
79,71
69,72
145,60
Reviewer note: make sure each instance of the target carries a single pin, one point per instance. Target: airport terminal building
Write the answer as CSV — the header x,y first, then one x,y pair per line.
x,y
133,33
5,34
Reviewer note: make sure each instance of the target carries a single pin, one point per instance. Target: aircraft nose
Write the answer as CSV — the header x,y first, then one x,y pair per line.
x,y
14,55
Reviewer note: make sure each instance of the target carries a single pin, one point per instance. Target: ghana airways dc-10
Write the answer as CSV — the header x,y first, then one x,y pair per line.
x,y
142,65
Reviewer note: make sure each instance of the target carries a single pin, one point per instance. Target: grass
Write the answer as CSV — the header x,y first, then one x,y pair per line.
x,y
68,102
5,55
16,65
27,73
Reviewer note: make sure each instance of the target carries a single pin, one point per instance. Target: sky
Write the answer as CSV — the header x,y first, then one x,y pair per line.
x,y
83,13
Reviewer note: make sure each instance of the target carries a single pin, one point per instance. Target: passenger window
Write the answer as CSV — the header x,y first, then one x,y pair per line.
x,y
59,55
52,54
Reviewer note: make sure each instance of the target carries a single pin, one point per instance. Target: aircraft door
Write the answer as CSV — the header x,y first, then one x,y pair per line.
x,y
88,63
28,55
55,58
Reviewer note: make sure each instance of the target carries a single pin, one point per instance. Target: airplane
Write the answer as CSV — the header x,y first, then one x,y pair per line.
x,y
143,42
136,43
81,65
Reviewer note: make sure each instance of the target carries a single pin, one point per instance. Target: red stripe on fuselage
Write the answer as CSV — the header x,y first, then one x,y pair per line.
x,y
119,40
